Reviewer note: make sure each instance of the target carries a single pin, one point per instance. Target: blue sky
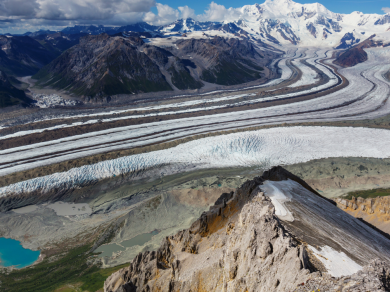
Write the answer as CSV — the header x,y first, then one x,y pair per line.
x,y
19,16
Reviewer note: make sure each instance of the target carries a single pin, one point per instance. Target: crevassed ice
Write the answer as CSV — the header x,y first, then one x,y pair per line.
x,y
266,148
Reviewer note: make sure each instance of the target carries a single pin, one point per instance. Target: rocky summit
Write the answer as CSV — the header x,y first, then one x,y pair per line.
x,y
254,239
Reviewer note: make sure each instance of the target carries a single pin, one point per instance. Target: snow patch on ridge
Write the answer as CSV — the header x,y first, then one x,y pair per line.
x,y
278,199
338,264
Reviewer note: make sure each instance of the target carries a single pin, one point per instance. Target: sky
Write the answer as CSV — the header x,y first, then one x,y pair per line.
x,y
19,16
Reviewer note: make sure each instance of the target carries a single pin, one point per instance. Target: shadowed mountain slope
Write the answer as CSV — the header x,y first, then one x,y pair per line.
x,y
10,95
104,65
107,65
22,55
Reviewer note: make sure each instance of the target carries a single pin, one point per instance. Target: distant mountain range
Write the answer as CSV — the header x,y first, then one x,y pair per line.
x,y
275,21
187,53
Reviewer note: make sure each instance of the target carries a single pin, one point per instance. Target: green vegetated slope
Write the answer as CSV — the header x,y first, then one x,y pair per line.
x,y
103,65
51,275
368,193
58,42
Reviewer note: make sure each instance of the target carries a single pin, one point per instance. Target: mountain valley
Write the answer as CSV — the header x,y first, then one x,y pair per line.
x,y
249,154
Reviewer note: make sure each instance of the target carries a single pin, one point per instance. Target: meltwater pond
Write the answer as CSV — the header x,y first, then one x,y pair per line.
x,y
12,253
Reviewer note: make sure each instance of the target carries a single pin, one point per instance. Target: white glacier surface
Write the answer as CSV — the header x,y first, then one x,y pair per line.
x,y
265,148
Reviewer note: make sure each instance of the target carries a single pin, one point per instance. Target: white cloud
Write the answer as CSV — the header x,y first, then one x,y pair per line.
x,y
386,9
187,12
53,11
165,14
21,15
216,12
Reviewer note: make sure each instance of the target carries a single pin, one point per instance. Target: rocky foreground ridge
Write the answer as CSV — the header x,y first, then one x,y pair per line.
x,y
271,234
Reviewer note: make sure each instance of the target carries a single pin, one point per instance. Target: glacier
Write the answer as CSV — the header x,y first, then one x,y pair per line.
x,y
263,148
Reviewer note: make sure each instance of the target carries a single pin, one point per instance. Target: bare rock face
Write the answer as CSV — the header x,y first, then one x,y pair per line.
x,y
373,277
106,65
240,245
356,54
375,211
237,246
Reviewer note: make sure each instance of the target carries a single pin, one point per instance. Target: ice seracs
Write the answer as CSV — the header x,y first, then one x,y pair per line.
x,y
53,100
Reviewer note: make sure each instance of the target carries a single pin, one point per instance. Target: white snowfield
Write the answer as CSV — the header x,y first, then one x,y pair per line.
x,y
337,263
263,148
287,22
305,24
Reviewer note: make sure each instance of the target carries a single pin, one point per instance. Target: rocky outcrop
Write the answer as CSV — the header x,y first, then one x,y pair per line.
x,y
373,277
351,57
383,20
375,211
237,246
355,54
241,245
311,28
348,40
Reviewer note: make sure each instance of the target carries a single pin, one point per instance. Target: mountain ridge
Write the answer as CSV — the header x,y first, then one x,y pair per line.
x,y
268,18
287,21
254,239
107,65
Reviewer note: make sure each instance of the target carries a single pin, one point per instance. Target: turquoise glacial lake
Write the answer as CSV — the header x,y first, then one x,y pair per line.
x,y
12,253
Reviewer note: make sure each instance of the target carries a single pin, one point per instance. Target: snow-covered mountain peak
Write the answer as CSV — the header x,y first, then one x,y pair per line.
x,y
285,22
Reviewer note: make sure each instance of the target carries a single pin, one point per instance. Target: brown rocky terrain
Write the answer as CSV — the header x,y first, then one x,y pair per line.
x,y
356,54
375,211
335,177
241,245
